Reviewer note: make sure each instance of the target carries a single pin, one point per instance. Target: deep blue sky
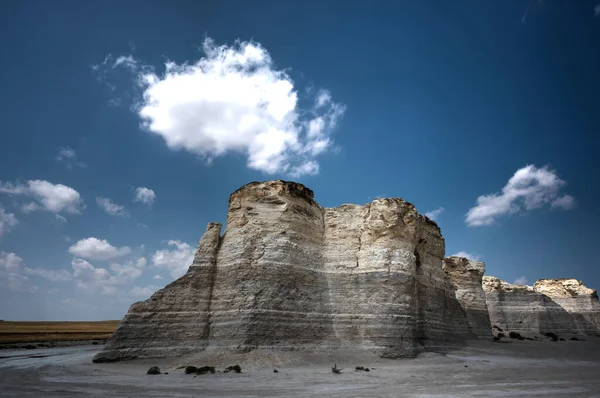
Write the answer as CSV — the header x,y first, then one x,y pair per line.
x,y
444,102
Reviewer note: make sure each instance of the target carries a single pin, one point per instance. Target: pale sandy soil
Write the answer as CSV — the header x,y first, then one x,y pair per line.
x,y
516,368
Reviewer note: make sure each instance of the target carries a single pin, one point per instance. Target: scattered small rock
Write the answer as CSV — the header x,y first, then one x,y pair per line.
x,y
154,370
94,342
497,328
362,368
500,335
190,369
206,369
574,339
166,373
551,335
275,371
496,338
335,369
466,366
561,339
515,335
235,368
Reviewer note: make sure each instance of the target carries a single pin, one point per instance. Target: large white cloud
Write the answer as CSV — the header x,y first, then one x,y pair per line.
x,y
529,188
55,198
234,99
97,249
7,221
144,195
177,260
111,208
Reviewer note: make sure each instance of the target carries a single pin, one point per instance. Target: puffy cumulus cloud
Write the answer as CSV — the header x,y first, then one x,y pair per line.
x,y
434,214
129,270
55,198
14,274
97,249
7,221
111,208
92,279
528,189
234,100
139,291
68,157
157,277
470,256
521,281
176,260
144,195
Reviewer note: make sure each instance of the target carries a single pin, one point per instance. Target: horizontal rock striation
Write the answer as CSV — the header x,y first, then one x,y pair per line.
x,y
467,278
579,301
549,306
288,273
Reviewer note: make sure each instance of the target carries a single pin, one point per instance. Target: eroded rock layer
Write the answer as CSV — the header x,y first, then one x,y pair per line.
x,y
467,278
549,306
289,273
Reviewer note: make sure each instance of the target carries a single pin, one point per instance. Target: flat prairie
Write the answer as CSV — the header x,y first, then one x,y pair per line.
x,y
25,332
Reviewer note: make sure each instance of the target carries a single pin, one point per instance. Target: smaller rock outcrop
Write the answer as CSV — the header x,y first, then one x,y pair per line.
x,y
579,301
467,276
550,306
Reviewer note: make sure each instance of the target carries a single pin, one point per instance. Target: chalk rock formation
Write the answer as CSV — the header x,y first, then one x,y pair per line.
x,y
550,305
288,273
579,301
466,276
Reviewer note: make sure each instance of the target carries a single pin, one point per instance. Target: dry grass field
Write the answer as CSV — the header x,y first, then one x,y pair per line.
x,y
25,332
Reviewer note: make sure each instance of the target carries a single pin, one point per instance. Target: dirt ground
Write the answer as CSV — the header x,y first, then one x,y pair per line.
x,y
483,368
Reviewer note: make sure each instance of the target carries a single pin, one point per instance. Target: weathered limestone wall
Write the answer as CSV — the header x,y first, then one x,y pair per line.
x,y
550,305
467,278
289,273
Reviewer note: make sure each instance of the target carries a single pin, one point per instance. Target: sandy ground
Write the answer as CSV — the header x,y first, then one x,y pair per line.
x,y
515,368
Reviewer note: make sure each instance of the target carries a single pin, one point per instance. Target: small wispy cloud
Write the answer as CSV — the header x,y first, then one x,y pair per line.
x,y
68,157
111,208
467,255
597,10
434,214
521,281
7,221
144,195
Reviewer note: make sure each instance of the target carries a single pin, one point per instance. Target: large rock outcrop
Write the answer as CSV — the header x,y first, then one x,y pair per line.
x,y
288,273
467,278
549,306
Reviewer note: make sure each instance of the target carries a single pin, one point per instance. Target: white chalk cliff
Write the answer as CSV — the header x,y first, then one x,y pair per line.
x,y
289,273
